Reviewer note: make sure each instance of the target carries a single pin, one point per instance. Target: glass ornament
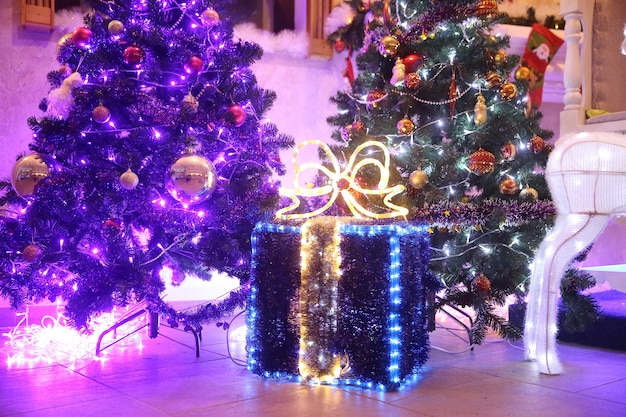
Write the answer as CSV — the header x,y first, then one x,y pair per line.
x,y
26,174
129,180
101,114
81,37
209,17
191,179
31,253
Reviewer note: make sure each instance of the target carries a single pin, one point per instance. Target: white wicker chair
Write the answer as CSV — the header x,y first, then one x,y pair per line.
x,y
586,171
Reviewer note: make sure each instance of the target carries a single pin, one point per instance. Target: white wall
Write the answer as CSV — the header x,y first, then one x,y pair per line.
x,y
26,59
304,86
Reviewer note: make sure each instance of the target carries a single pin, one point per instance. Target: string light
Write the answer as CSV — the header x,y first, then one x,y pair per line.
x,y
341,182
320,243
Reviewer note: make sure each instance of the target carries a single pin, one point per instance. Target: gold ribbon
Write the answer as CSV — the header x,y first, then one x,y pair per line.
x,y
342,182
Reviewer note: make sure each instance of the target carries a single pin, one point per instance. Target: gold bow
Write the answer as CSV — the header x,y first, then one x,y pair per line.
x,y
341,182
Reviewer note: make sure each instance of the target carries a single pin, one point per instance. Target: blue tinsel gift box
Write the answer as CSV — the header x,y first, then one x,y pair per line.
x,y
371,318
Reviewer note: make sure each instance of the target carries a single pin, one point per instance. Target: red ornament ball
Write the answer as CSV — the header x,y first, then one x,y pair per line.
x,y
133,55
194,65
236,115
487,8
111,228
358,129
101,114
339,46
482,283
537,144
508,186
81,37
31,253
353,130
508,151
482,162
343,183
412,62
375,97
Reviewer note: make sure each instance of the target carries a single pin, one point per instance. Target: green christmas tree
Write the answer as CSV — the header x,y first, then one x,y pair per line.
x,y
437,87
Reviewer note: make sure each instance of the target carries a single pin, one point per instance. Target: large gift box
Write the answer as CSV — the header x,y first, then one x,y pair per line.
x,y
337,300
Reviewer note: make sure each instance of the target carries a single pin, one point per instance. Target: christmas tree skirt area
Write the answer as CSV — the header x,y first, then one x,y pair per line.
x,y
339,303
608,332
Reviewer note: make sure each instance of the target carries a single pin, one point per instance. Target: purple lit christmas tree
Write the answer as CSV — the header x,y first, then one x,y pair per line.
x,y
152,160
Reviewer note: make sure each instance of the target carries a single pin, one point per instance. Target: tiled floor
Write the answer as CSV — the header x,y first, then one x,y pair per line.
x,y
166,379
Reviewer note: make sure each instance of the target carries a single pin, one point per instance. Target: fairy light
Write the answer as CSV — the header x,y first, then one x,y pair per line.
x,y
310,347
316,361
54,341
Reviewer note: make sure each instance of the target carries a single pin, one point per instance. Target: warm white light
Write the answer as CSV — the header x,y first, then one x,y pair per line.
x,y
342,182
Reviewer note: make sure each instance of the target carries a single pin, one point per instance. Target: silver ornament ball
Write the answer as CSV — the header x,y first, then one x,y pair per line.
x,y
191,179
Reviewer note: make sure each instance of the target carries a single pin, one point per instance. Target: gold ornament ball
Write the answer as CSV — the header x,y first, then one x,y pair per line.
x,y
482,162
493,79
412,80
26,174
209,17
529,195
191,179
508,186
418,179
537,144
508,91
101,114
388,46
500,56
405,126
31,253
522,74
115,27
64,40
129,180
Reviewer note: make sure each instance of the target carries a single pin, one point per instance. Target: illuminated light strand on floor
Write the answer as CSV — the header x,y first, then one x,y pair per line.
x,y
54,341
